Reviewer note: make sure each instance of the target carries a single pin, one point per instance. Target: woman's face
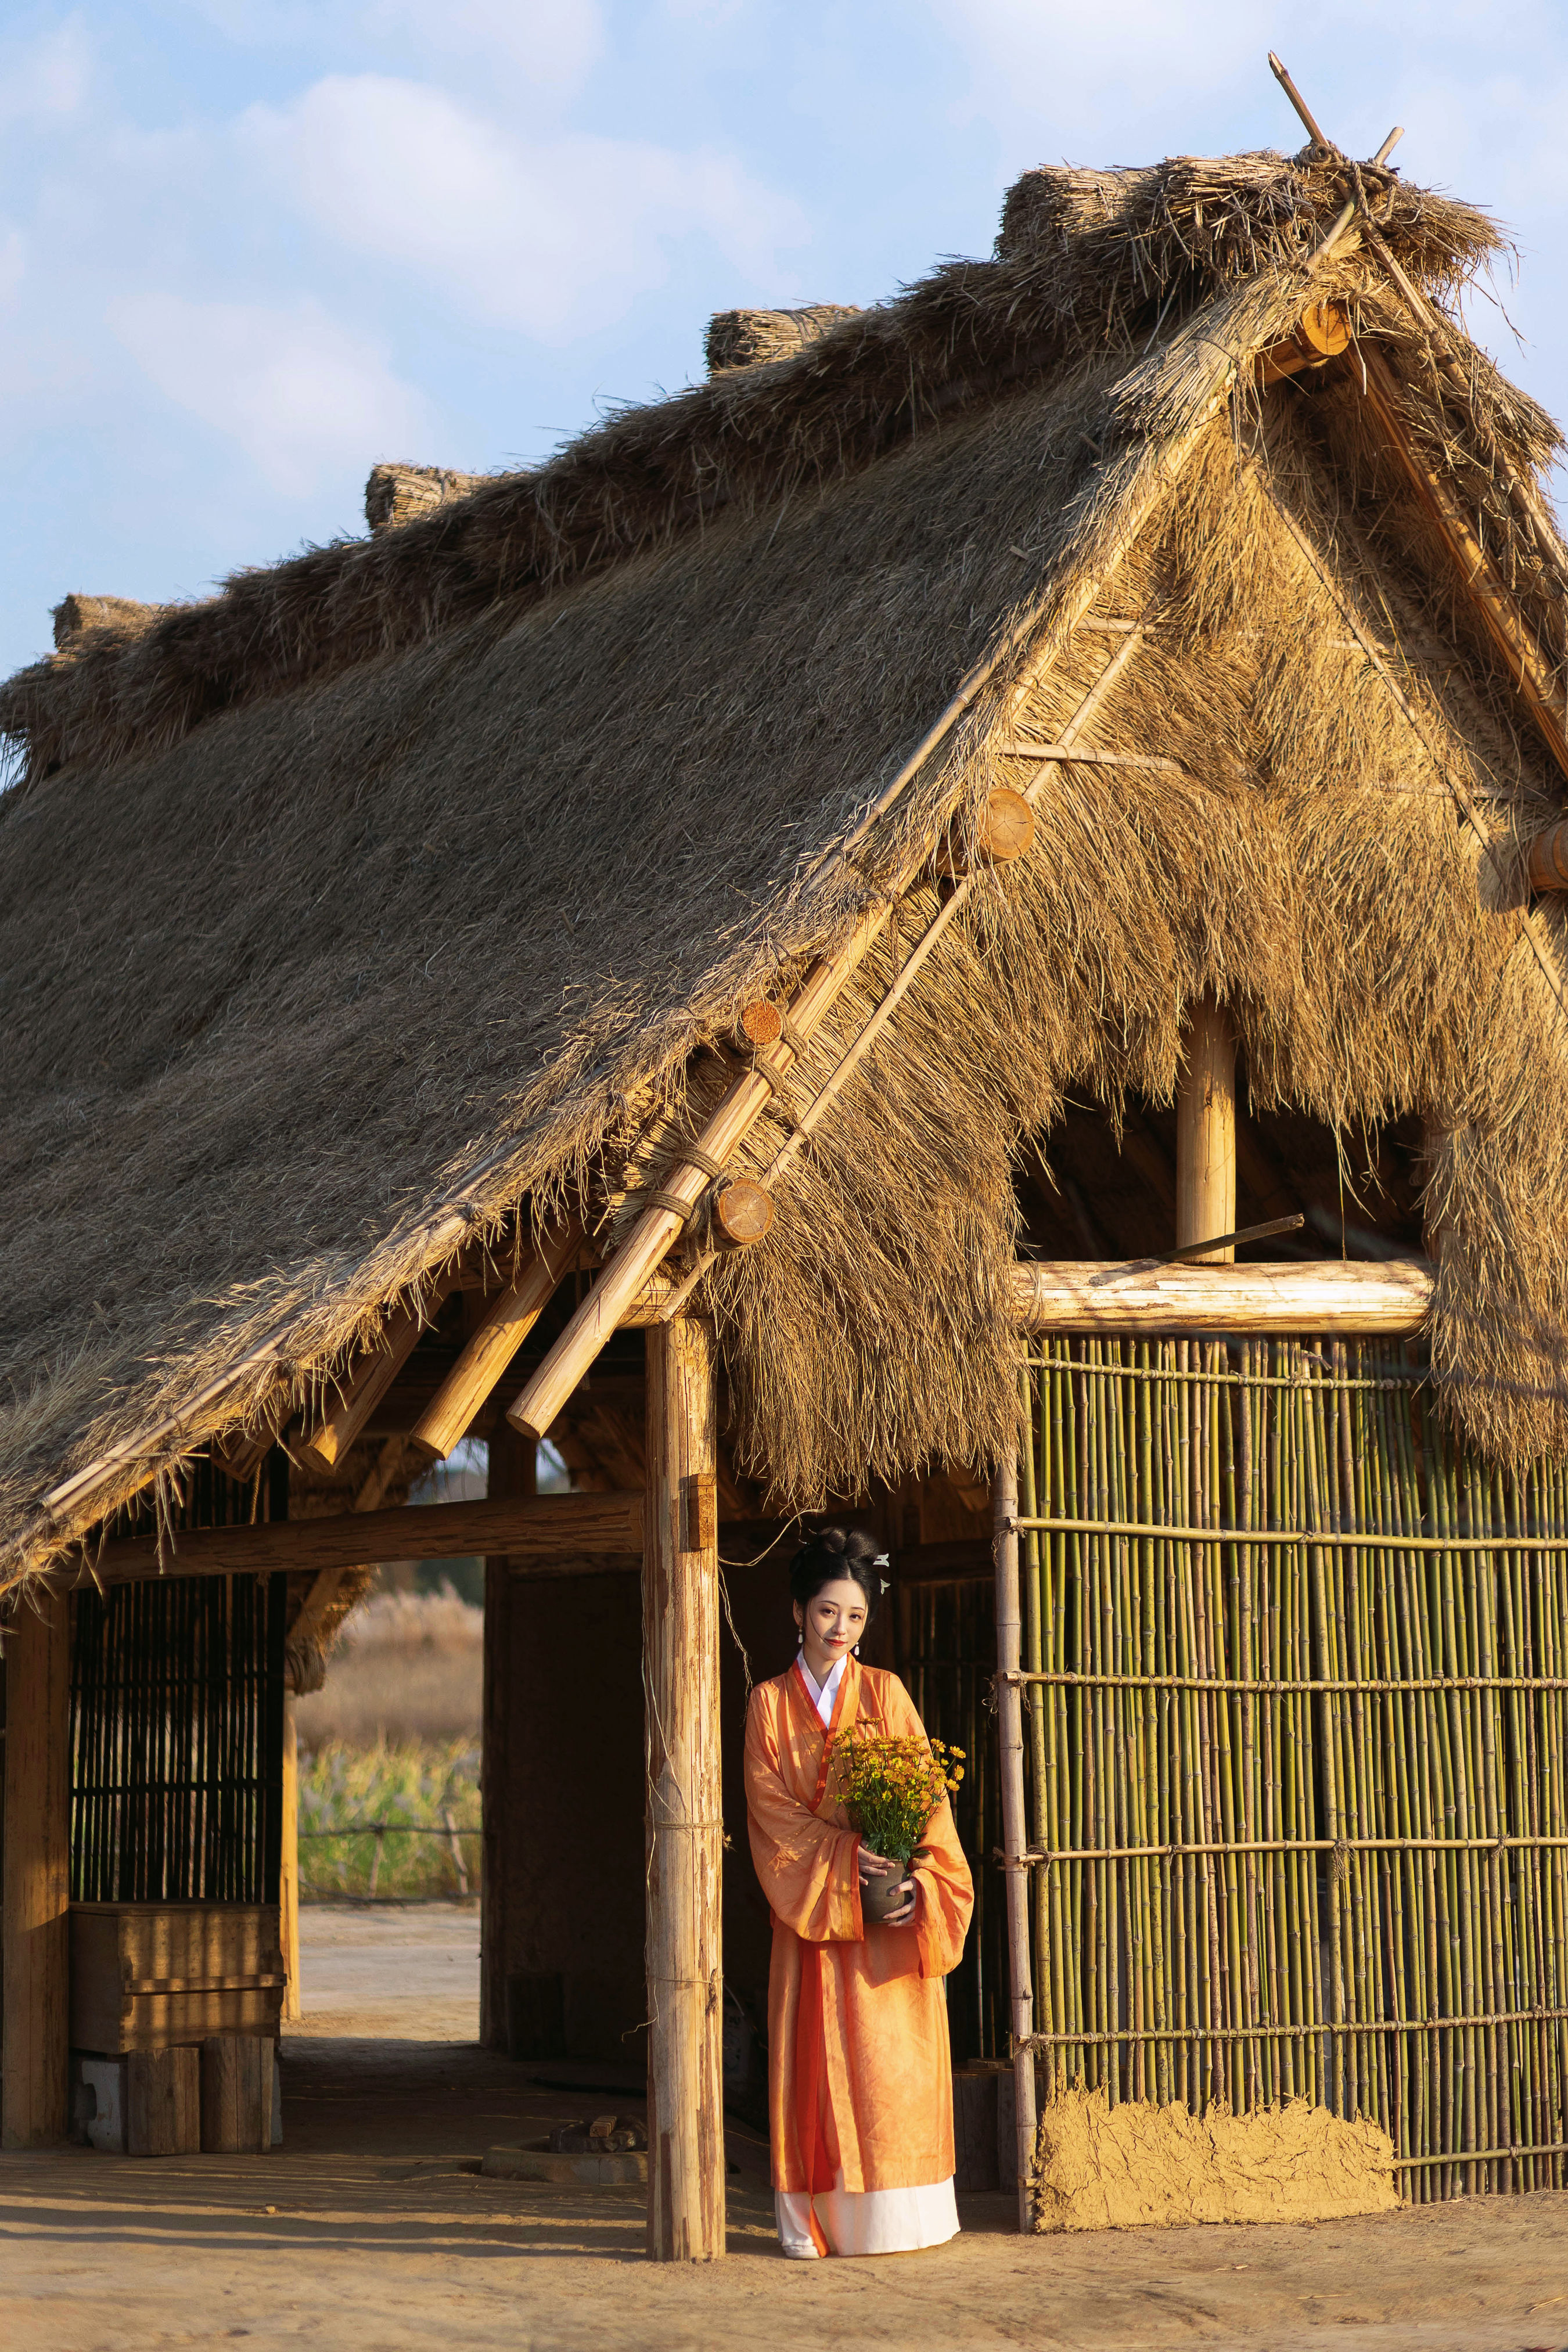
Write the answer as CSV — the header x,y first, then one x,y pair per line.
x,y
831,1623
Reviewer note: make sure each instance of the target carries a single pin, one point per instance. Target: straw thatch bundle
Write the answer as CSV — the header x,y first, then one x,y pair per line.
x,y
394,495
434,868
75,615
738,338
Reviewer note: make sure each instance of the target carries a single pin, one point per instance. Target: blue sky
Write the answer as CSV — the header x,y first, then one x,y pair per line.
x,y
248,247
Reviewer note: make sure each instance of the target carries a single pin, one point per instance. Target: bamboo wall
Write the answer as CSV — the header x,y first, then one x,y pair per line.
x,y
1302,1806
176,1741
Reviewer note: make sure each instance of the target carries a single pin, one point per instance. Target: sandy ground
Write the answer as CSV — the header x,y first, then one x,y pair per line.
x,y
370,2228
409,1970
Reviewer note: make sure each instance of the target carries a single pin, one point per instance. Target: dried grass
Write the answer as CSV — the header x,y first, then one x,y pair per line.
x,y
738,338
406,1667
520,878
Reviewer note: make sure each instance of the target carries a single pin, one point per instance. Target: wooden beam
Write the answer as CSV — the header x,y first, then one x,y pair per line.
x,y
35,1961
366,1385
1533,673
685,1827
521,1528
508,1320
1388,1294
1205,1131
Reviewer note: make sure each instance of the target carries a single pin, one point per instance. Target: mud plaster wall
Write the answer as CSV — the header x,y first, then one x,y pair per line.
x,y
1142,2166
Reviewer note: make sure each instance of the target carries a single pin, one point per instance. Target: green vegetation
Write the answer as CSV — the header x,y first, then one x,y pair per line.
x,y
424,1796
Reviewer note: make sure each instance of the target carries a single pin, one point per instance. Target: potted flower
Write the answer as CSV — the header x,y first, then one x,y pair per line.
x,y
890,1788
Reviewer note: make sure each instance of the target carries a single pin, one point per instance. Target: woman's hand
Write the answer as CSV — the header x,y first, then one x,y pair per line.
x,y
873,1865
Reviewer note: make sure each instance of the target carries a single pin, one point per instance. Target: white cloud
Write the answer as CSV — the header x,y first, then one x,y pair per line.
x,y
555,44
13,262
555,235
300,393
45,81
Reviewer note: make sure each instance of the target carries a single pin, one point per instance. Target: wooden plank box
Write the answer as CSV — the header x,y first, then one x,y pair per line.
x,y
154,1976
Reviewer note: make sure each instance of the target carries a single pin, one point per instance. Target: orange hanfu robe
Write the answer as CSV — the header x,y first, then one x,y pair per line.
x,y
859,2070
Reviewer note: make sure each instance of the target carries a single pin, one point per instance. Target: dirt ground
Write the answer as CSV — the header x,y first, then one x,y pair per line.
x,y
369,2229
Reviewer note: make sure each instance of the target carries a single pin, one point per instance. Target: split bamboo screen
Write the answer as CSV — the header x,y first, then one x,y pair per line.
x,y
1300,1768
1305,1802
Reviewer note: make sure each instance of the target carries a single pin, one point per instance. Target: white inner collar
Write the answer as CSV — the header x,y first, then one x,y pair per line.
x,y
827,1693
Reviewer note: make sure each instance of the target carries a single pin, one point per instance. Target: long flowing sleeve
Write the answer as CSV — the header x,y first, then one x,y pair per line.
x,y
807,1866
945,1897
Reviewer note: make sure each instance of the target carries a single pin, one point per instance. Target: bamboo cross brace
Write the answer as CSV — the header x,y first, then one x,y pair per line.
x,y
1042,1857
1328,1540
1298,2028
1073,1678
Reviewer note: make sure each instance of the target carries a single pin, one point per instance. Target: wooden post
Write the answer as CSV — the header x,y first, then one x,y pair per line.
x,y
288,1866
514,1472
1206,1133
685,1799
34,1926
1014,1827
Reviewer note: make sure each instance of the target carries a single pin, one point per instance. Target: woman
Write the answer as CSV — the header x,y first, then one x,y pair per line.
x,y
860,2076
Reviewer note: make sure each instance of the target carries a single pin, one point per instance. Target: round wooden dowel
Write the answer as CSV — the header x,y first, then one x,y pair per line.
x,y
742,1210
1549,859
762,1023
1326,327
1003,831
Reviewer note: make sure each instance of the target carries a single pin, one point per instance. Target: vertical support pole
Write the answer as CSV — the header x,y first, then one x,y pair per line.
x,y
685,1825
288,1865
36,1897
1205,1131
513,1471
1015,1832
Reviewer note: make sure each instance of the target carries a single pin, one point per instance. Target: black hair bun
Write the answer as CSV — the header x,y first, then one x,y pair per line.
x,y
831,1554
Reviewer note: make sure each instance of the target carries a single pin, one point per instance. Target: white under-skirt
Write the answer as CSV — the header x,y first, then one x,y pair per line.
x,y
866,2222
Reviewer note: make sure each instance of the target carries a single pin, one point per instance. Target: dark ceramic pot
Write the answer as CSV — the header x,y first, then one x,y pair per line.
x,y
880,1896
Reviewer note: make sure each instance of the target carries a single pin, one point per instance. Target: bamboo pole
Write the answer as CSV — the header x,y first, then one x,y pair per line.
x,y
35,1959
509,1318
1205,1131
288,1866
1014,1832
685,1799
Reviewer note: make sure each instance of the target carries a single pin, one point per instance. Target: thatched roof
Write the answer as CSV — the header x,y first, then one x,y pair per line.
x,y
411,879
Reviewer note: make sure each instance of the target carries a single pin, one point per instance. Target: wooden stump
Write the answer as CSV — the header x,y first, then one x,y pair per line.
x,y
35,1902
163,2101
685,1799
1206,1133
236,2094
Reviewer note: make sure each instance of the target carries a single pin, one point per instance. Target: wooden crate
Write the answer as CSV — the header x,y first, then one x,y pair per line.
x,y
154,1976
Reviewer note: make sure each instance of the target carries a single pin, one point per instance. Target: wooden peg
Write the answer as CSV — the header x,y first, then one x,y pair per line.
x,y
762,1023
742,1210
1326,327
1548,859
1005,829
